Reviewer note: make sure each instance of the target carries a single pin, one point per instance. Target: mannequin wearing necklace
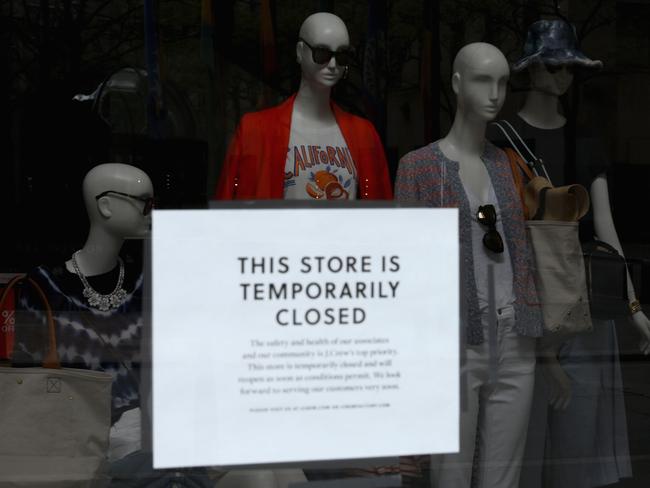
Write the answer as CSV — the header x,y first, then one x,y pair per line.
x,y
464,170
116,213
578,411
95,298
308,147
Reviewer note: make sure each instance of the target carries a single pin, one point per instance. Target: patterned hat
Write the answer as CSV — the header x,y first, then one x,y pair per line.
x,y
554,42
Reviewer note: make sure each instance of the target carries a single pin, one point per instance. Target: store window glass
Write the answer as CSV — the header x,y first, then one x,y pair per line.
x,y
528,119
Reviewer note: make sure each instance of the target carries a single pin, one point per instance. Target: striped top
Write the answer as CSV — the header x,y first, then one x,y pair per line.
x,y
427,176
86,338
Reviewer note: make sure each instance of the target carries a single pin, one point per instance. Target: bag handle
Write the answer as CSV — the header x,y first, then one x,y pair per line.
x,y
520,146
51,359
595,244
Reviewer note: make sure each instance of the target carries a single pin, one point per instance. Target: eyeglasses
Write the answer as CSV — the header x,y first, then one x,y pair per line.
x,y
322,55
148,201
487,215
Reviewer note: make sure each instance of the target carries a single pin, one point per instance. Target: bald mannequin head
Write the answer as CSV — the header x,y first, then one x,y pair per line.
x,y
121,215
321,30
322,24
480,79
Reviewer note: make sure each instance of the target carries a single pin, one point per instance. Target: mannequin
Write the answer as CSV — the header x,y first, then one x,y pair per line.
x,y
118,200
464,170
540,110
114,216
586,418
307,147
478,102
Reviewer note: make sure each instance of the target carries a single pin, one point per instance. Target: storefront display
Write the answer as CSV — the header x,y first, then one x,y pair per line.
x,y
292,146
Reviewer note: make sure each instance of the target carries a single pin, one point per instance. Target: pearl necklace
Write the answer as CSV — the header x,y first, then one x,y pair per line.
x,y
95,299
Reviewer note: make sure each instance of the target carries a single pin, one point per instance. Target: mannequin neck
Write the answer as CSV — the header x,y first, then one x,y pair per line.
x,y
466,137
541,110
99,253
312,103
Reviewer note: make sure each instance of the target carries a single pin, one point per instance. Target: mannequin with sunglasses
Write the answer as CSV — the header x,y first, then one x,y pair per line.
x,y
465,171
308,147
540,114
578,425
96,297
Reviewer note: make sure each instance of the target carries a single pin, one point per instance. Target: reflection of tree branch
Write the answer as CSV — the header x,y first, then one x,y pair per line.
x,y
186,3
114,56
603,23
558,12
95,12
101,30
447,105
615,74
26,12
590,17
82,8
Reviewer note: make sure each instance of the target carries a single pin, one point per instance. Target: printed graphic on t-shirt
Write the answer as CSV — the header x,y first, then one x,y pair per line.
x,y
319,164
322,173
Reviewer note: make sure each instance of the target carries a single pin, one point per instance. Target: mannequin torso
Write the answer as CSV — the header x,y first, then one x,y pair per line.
x,y
314,129
567,398
540,110
465,171
472,170
89,336
115,216
307,147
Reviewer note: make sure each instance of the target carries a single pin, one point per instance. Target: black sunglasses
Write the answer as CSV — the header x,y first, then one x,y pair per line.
x,y
322,55
148,201
487,215
552,69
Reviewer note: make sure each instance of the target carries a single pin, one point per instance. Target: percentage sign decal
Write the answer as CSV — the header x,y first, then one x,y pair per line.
x,y
8,317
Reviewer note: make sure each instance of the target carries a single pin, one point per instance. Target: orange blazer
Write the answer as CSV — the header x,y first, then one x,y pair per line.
x,y
255,163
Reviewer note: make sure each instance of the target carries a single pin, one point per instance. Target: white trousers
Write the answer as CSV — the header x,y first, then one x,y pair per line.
x,y
494,420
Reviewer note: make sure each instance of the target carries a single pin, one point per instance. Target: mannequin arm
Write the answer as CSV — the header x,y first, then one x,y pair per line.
x,y
606,231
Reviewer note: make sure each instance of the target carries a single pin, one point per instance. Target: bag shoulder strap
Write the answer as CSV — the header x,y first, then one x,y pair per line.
x,y
520,146
517,166
513,160
51,358
592,246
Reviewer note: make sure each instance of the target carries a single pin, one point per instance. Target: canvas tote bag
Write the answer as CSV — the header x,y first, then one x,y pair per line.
x,y
559,270
54,422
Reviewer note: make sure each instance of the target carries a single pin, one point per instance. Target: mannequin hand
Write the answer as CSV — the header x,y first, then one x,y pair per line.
x,y
642,323
559,384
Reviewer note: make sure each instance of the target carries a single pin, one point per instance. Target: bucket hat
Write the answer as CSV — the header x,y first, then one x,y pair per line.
x,y
554,42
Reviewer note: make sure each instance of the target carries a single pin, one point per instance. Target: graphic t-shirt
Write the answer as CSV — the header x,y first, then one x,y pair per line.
x,y
319,165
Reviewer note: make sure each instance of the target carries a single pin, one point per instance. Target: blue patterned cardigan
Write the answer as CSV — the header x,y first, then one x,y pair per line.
x,y
427,176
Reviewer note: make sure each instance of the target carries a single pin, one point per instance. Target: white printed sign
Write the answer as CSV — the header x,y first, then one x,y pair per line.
x,y
290,335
